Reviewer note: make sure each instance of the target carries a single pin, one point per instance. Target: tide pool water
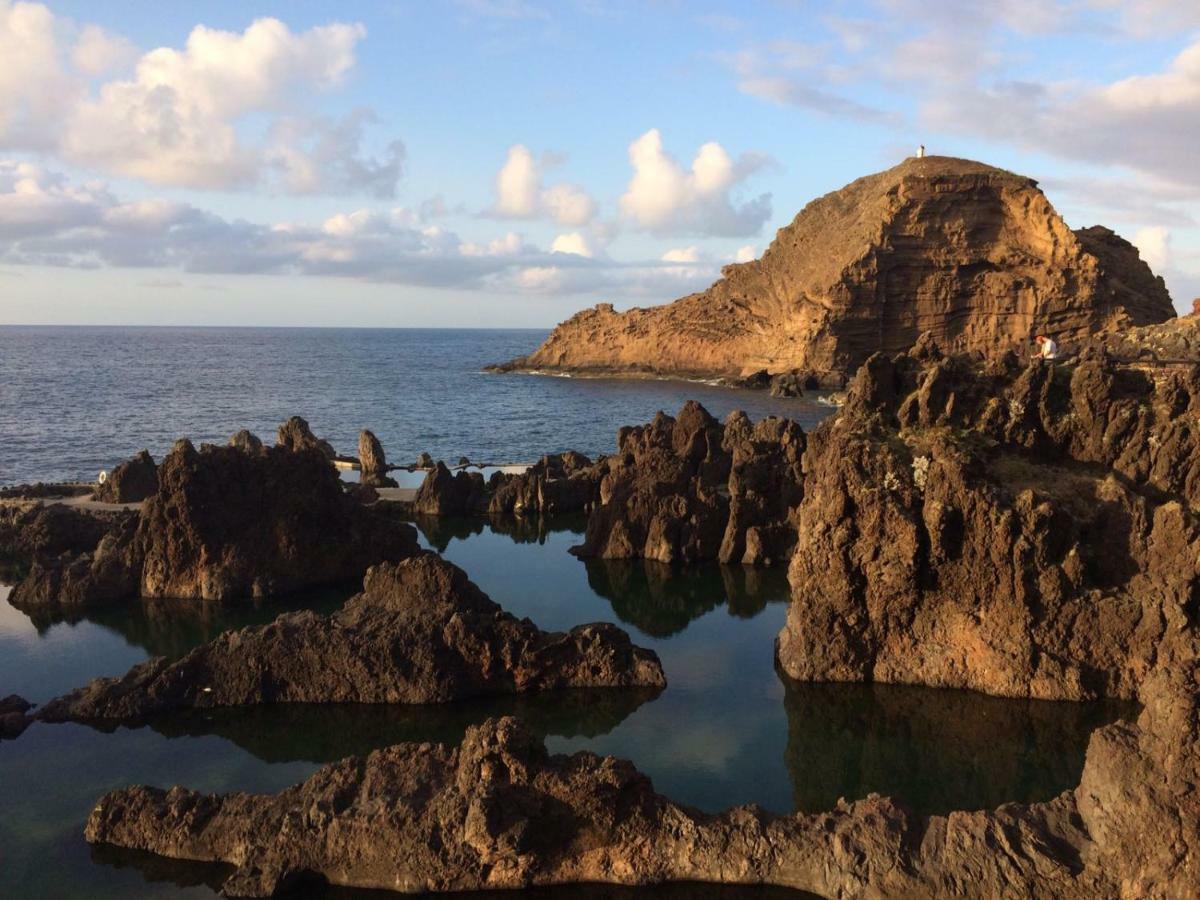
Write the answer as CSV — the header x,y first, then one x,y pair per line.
x,y
728,729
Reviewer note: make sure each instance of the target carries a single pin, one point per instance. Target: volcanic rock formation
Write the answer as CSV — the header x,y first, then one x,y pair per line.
x,y
225,523
499,812
131,482
372,462
420,632
1025,530
687,489
973,254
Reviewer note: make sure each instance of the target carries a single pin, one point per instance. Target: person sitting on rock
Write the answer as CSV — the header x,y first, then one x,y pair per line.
x,y
1047,348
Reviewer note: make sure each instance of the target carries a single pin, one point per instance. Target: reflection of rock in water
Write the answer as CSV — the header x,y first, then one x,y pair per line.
x,y
171,628
323,733
937,750
186,873
661,600
154,869
439,531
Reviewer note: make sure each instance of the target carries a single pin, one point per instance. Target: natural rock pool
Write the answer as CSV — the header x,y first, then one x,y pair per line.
x,y
728,729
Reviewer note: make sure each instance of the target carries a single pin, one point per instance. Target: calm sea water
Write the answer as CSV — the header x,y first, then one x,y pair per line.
x,y
74,401
728,729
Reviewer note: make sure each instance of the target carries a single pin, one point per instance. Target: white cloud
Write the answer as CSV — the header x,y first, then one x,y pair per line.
x,y
174,121
35,91
48,220
520,195
98,52
745,254
320,155
573,243
1154,245
682,255
665,198
188,117
1145,122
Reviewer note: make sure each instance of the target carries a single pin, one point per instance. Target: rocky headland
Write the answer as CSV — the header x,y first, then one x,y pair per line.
x,y
974,255
420,632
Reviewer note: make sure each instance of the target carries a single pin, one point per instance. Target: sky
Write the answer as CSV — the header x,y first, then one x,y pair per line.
x,y
503,163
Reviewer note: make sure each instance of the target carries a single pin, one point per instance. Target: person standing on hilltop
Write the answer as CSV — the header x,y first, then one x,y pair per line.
x,y
1047,348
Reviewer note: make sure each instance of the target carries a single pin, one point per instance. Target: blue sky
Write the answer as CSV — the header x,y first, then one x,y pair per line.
x,y
506,162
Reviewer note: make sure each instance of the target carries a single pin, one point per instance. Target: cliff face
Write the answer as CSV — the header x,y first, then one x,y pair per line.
x,y
973,254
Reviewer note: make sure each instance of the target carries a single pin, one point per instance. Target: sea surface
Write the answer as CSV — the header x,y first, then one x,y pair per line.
x,y
728,729
75,400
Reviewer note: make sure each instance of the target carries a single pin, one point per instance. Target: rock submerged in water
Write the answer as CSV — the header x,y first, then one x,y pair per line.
x,y
420,632
499,812
131,482
975,254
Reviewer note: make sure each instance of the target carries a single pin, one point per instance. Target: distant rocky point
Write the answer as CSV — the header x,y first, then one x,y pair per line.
x,y
973,254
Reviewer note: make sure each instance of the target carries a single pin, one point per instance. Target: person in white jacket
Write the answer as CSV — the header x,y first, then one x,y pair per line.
x,y
1047,348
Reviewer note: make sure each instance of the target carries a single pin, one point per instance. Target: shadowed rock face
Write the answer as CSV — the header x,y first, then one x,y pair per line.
x,y
1022,531
227,523
972,253
497,811
131,482
420,632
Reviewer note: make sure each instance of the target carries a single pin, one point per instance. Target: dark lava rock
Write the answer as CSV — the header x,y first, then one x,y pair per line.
x,y
247,442
444,493
424,461
225,524
13,718
498,812
420,632
30,530
558,483
790,384
294,434
373,464
688,489
131,482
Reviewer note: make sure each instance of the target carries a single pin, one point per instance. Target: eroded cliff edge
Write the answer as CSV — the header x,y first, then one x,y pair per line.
x,y
973,254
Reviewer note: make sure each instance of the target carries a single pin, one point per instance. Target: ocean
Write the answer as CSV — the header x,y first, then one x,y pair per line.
x,y
75,400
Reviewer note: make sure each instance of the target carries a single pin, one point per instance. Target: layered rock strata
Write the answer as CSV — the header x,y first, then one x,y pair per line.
x,y
498,812
971,253
420,632
1018,530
